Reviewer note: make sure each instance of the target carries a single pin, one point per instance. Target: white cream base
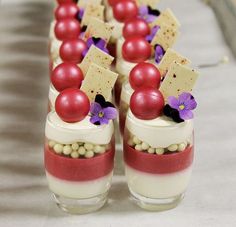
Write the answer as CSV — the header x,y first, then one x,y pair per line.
x,y
158,186
79,190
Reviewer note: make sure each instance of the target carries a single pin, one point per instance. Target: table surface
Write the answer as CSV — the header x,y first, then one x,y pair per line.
x,y
24,195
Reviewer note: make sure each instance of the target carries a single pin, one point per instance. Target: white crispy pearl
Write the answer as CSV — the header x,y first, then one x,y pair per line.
x,y
138,147
74,154
75,146
131,142
181,147
145,146
160,151
89,154
99,149
58,148
88,146
51,143
151,150
67,149
82,150
136,140
173,147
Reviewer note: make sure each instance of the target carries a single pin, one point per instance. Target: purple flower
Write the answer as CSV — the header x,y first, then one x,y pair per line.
x,y
159,53
102,111
148,14
98,42
184,105
154,31
80,14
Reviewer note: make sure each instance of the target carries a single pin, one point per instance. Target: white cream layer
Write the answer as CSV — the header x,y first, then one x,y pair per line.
x,y
83,131
119,45
53,93
158,185
124,67
51,30
79,190
117,31
126,92
159,132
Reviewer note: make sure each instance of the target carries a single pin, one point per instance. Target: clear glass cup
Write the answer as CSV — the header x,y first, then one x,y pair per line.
x,y
158,157
79,163
52,95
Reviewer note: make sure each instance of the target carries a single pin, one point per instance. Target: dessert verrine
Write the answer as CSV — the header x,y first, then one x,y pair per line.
x,y
80,143
158,139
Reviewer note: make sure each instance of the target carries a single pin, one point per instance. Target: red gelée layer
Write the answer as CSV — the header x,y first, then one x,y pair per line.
x,y
158,164
78,169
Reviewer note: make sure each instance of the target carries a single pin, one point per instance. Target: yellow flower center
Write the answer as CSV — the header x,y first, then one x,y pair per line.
x,y
101,114
181,107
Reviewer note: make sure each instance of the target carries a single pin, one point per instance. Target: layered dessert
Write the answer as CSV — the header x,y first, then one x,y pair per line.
x,y
158,138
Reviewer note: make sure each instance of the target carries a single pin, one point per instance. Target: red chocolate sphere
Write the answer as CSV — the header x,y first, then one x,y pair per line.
x,y
65,11
72,50
124,10
72,105
67,75
64,1
144,75
147,103
136,49
113,2
136,27
67,29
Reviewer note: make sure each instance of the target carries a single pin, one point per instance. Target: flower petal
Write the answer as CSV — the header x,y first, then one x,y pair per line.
x,y
143,10
185,96
95,108
95,119
150,18
159,53
104,121
191,104
173,102
186,114
110,113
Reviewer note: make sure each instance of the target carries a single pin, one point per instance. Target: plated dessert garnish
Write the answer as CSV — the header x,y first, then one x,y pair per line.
x,y
158,138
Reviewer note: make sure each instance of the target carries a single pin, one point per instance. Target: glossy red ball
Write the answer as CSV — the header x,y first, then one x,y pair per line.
x,y
113,2
72,50
72,105
67,29
147,103
136,49
67,75
124,10
143,75
65,11
64,1
136,27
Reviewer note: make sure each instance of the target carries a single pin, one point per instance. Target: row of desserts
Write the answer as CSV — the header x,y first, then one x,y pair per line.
x,y
80,143
148,176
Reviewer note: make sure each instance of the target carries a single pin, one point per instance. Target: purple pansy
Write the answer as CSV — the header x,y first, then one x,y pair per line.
x,y
80,14
98,42
148,14
102,111
154,31
184,104
159,53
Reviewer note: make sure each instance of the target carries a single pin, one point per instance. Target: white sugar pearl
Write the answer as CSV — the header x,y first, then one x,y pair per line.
x,y
67,149
58,148
74,154
136,140
51,143
99,149
131,142
88,146
151,150
160,151
82,150
181,147
173,147
89,154
145,146
75,146
138,147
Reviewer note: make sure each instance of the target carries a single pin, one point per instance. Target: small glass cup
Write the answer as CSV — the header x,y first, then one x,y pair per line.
x,y
79,161
52,95
158,157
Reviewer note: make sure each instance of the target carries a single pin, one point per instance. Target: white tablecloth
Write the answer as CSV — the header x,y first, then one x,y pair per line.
x,y
24,196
